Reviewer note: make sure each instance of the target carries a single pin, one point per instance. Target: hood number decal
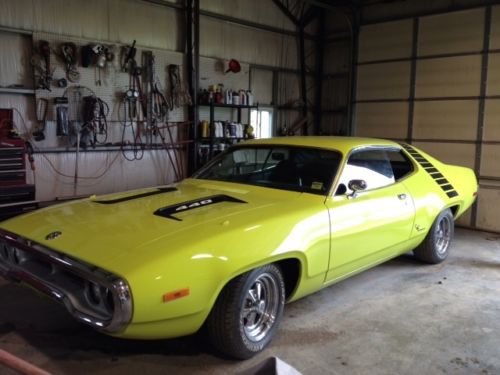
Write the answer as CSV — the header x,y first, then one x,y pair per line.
x,y
191,205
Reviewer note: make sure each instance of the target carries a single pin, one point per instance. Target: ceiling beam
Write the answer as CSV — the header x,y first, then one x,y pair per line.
x,y
286,12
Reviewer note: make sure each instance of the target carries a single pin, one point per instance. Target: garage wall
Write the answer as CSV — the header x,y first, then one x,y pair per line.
x,y
434,81
154,26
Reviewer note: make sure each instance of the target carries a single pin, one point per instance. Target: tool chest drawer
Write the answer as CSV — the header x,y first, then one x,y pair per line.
x,y
12,163
11,178
14,209
12,194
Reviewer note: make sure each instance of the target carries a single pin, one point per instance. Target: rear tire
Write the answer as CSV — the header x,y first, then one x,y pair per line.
x,y
436,245
247,313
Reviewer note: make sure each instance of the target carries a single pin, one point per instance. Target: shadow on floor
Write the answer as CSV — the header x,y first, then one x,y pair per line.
x,y
49,328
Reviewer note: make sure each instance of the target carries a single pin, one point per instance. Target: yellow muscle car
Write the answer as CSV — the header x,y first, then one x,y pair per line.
x,y
264,223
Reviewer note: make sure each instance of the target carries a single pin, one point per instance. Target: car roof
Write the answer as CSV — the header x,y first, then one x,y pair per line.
x,y
343,144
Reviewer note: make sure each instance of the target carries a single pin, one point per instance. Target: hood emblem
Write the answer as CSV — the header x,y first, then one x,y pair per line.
x,y
53,235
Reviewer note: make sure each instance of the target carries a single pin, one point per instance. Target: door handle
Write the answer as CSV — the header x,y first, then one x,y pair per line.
x,y
402,196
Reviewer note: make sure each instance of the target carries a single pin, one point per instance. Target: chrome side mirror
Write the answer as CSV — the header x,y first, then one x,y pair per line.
x,y
355,186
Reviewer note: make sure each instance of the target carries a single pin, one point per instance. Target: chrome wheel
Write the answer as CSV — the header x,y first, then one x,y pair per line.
x,y
443,235
247,312
260,307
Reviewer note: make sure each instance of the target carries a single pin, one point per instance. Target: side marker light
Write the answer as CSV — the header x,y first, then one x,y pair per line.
x,y
170,296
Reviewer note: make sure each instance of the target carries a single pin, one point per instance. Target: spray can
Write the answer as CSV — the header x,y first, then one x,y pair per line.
x,y
205,129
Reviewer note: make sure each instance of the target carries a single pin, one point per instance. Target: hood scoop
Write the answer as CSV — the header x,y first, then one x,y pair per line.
x,y
136,196
191,205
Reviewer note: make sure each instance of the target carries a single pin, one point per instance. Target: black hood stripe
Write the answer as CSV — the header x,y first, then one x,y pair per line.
x,y
191,205
137,196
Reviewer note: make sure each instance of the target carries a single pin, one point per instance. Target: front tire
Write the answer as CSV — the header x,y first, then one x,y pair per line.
x,y
247,313
436,245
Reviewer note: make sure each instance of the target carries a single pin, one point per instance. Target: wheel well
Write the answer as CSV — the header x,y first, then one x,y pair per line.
x,y
454,210
291,272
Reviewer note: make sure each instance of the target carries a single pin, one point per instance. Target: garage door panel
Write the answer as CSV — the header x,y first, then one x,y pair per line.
x,y
382,120
383,41
488,214
384,81
465,219
491,131
451,33
493,83
495,28
489,161
452,153
448,77
454,119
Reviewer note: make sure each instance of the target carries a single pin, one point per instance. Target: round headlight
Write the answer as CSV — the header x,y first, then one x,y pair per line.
x,y
18,256
95,293
98,295
5,250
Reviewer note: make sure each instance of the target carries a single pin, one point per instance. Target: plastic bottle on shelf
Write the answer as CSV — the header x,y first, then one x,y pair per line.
x,y
243,98
236,98
221,130
218,96
249,98
229,96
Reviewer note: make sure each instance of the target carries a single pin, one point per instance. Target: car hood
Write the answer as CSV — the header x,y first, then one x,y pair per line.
x,y
99,230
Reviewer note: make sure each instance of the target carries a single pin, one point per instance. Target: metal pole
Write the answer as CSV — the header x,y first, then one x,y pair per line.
x,y
193,58
320,47
353,71
303,88
482,94
413,80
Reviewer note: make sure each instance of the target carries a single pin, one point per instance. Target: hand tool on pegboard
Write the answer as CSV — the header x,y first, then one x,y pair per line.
x,y
128,57
41,64
41,116
68,53
153,117
178,95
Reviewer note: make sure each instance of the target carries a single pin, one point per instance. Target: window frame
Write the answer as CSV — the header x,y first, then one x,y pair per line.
x,y
325,194
386,148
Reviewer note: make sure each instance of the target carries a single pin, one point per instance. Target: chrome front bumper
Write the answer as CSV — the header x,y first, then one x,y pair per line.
x,y
66,280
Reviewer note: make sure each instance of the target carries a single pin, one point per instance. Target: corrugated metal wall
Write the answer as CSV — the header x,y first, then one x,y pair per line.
x,y
153,26
434,81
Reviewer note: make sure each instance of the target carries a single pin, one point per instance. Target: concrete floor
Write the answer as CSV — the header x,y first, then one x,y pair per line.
x,y
402,317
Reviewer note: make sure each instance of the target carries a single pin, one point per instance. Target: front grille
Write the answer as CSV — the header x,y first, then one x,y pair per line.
x,y
92,295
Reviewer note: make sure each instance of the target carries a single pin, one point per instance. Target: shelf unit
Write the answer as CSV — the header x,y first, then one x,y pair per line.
x,y
212,139
16,91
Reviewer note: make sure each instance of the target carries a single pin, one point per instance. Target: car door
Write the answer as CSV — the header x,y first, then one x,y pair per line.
x,y
370,225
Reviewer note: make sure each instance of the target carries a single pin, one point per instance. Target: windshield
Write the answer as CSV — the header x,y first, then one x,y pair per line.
x,y
281,167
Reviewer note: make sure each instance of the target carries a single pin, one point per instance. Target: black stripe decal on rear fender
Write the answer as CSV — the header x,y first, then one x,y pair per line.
x,y
137,196
442,182
191,205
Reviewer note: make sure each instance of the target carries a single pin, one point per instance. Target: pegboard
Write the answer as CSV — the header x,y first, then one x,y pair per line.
x,y
113,85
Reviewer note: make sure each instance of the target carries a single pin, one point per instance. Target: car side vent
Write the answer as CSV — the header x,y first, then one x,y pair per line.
x,y
137,196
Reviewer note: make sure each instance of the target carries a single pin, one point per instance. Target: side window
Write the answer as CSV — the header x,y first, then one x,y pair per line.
x,y
401,165
372,166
